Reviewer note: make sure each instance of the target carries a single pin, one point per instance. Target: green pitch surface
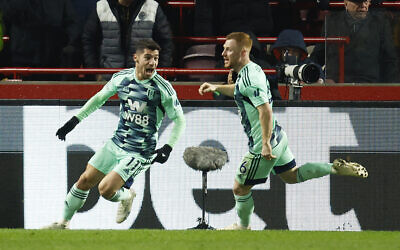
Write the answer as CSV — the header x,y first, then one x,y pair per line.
x,y
195,239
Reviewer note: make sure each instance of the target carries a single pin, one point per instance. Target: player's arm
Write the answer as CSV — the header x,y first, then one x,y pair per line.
x,y
177,131
174,111
225,89
266,123
90,106
261,98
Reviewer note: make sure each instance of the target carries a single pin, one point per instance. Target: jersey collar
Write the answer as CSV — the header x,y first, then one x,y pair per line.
x,y
245,66
146,80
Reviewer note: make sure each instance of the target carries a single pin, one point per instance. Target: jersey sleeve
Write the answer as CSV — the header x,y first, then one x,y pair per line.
x,y
177,130
170,102
97,100
258,91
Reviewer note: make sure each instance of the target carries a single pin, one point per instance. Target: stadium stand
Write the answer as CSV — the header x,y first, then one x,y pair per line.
x,y
183,40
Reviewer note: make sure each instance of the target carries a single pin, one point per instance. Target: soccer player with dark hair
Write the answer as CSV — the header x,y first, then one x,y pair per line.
x,y
268,144
145,97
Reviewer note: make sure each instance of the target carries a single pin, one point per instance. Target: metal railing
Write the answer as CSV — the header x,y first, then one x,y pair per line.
x,y
16,72
341,41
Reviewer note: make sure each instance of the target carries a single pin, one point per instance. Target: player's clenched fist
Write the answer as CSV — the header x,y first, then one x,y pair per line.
x,y
207,87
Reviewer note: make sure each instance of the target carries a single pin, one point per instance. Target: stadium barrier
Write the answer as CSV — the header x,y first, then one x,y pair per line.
x,y
189,90
38,170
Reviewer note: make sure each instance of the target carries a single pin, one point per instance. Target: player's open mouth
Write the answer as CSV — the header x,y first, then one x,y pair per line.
x,y
149,71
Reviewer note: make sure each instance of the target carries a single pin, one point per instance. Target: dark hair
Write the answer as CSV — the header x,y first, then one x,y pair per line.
x,y
147,44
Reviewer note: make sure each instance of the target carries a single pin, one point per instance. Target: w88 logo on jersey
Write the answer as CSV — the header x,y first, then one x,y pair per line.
x,y
139,119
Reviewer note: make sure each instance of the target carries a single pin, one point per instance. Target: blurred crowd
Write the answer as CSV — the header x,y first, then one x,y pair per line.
x,y
103,34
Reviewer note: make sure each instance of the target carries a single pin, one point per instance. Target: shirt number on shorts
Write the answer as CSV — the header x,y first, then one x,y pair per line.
x,y
243,168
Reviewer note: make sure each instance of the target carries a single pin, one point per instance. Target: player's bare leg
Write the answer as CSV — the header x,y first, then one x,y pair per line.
x,y
111,189
77,195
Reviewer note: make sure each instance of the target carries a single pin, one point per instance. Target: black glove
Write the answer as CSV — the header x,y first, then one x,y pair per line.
x,y
64,130
162,154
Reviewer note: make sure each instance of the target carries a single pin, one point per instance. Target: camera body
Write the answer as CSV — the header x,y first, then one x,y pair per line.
x,y
308,73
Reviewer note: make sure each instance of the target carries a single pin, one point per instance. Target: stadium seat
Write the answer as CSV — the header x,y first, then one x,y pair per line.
x,y
201,57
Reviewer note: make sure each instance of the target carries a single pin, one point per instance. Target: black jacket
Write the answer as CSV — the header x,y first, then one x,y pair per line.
x,y
370,57
102,39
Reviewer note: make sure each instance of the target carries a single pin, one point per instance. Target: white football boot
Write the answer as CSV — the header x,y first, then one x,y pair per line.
x,y
235,226
124,207
57,225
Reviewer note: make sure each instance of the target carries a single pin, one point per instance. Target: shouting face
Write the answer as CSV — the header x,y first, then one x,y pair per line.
x,y
146,63
231,54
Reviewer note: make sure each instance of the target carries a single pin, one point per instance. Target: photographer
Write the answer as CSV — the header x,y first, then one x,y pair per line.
x,y
290,49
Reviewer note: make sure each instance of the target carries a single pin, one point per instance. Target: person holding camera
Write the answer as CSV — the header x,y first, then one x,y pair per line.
x,y
290,49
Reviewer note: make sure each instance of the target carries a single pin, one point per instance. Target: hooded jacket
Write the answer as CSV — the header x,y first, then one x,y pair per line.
x,y
293,39
102,34
289,38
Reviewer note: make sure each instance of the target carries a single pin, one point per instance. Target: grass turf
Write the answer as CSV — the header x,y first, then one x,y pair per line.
x,y
195,239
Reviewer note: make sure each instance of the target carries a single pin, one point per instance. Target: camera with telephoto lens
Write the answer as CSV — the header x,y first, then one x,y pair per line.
x,y
291,72
295,74
308,73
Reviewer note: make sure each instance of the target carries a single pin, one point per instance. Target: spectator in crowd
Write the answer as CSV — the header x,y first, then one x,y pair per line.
x,y
43,33
114,28
370,57
290,48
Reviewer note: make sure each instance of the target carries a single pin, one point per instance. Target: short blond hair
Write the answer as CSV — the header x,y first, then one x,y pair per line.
x,y
243,39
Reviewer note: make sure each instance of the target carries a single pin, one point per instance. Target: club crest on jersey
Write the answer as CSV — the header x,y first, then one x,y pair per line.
x,y
125,89
150,93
